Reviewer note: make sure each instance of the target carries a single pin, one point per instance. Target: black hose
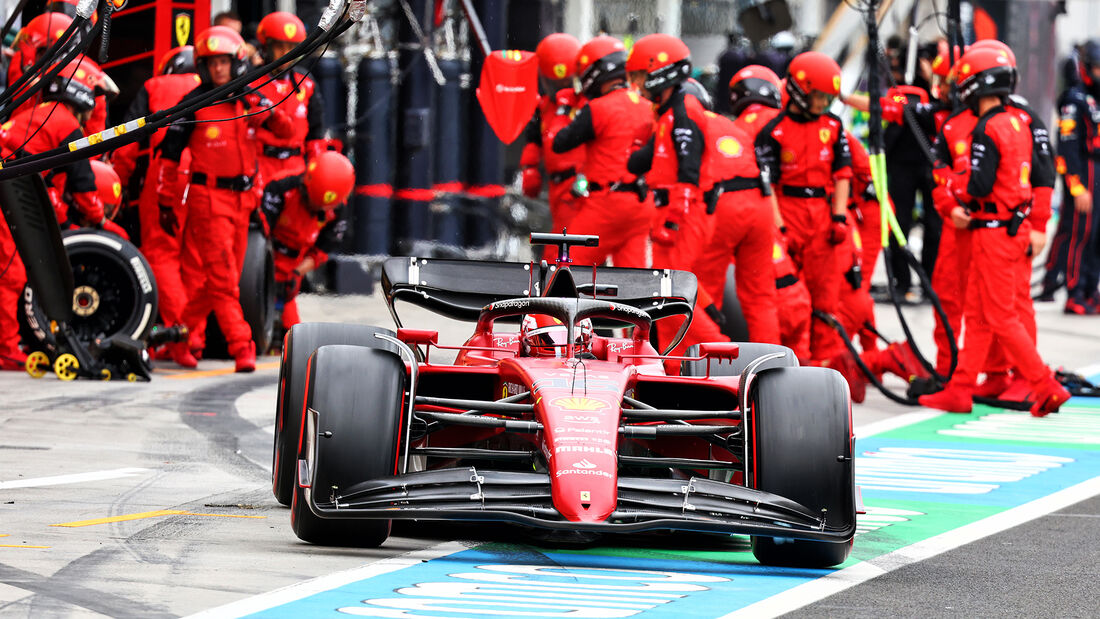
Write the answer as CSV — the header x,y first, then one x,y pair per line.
x,y
11,19
50,74
831,320
926,287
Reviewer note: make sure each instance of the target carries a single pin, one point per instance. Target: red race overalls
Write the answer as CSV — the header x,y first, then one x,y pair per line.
x,y
283,157
221,195
553,114
617,207
299,232
744,229
803,156
160,240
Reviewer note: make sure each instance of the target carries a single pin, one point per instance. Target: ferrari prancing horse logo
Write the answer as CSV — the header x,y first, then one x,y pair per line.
x,y
183,29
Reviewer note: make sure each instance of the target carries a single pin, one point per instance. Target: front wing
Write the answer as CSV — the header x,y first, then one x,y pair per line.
x,y
644,504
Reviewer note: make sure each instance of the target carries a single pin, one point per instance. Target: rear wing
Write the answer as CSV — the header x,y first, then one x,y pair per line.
x,y
458,289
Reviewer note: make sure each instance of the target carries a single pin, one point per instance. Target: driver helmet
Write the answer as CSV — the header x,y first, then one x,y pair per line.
x,y
545,336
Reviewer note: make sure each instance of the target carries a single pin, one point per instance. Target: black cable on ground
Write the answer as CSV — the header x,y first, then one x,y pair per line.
x,y
926,288
831,320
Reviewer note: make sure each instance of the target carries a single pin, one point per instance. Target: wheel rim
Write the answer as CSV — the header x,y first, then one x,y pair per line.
x,y
37,364
66,367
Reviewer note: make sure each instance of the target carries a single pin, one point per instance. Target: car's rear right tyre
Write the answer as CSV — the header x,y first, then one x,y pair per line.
x,y
298,345
358,394
800,424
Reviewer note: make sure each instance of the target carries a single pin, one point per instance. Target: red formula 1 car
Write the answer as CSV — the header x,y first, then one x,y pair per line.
x,y
596,438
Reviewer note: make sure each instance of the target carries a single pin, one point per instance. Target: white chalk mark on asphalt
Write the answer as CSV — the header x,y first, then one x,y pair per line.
x,y
76,478
328,582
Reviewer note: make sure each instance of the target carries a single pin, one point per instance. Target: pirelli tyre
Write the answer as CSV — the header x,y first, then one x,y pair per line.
x,y
298,345
746,354
257,299
357,394
799,422
114,292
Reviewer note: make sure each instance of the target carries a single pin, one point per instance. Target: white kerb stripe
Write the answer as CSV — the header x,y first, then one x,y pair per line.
x,y
75,478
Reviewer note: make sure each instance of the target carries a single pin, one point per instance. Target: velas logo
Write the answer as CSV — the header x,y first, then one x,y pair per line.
x,y
729,146
560,71
290,30
572,403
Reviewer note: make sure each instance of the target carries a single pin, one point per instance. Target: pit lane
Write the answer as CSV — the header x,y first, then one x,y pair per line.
x,y
164,490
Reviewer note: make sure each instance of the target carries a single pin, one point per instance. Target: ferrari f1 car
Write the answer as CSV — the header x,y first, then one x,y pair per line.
x,y
593,437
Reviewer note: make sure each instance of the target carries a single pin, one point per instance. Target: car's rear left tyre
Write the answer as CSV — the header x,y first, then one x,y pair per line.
x,y
747,353
358,394
800,425
298,345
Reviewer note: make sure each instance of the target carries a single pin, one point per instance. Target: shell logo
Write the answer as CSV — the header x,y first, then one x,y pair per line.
x,y
583,60
786,156
662,57
573,403
801,75
329,197
729,146
960,147
212,133
560,71
825,135
116,188
290,30
965,70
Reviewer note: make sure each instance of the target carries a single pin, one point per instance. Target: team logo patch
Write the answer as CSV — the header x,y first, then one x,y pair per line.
x,y
960,147
212,133
211,44
330,197
634,98
573,403
801,75
1015,123
290,30
662,57
836,82
729,146
560,71
1025,174
825,135
116,188
584,60
750,118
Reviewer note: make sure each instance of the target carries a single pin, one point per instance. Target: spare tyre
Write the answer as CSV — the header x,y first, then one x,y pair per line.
x,y
257,297
114,292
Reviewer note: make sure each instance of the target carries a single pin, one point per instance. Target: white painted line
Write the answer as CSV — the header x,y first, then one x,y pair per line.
x,y
75,478
1089,371
328,582
815,590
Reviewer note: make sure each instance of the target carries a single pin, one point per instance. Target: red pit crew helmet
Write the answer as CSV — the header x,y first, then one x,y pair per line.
x,y
665,60
177,60
557,54
600,60
329,179
809,72
107,186
217,41
984,72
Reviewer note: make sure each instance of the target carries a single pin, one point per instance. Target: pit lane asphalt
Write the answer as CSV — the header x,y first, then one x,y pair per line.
x,y
199,445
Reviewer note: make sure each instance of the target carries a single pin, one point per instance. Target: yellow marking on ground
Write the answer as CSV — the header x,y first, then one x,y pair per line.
x,y
142,515
187,374
20,546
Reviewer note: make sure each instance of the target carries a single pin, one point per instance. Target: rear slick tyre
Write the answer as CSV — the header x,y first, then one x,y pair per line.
x,y
357,393
298,345
801,429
